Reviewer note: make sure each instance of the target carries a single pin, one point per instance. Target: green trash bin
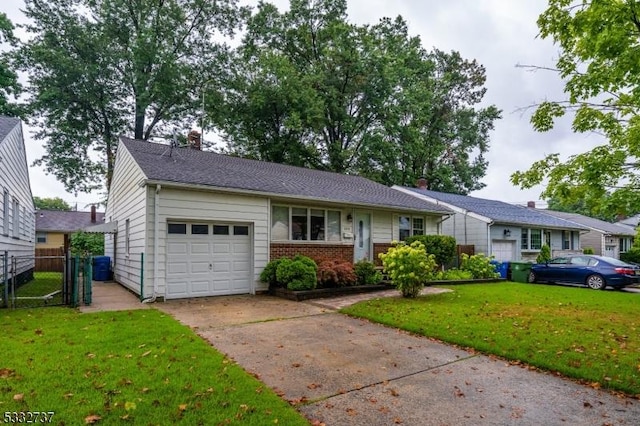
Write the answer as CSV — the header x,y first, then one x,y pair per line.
x,y
520,271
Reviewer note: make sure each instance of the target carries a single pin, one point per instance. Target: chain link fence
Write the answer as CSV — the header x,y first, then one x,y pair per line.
x,y
39,281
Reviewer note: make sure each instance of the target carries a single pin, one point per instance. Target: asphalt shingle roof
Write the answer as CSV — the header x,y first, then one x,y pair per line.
x,y
6,125
188,166
589,222
499,211
65,221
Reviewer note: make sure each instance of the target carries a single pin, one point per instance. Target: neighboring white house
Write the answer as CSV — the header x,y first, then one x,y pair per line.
x,y
506,231
193,223
17,219
606,239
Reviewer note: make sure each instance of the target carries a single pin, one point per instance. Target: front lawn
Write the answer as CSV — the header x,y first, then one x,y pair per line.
x,y
137,367
585,334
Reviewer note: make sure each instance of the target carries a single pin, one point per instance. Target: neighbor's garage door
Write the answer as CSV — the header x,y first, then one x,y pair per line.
x,y
503,251
208,259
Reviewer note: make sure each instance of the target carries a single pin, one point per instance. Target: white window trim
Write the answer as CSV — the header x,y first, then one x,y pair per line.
x,y
41,234
528,248
412,229
308,233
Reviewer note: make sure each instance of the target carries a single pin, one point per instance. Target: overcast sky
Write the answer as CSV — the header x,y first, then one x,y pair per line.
x,y
498,34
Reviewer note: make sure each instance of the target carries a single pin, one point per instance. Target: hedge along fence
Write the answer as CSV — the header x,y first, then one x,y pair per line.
x,y
442,247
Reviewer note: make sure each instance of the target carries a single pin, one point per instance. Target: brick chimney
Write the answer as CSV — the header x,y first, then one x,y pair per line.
x,y
194,140
531,204
93,213
421,183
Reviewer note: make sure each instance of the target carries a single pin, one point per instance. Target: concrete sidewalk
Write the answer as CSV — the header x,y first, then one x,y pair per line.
x,y
345,371
111,296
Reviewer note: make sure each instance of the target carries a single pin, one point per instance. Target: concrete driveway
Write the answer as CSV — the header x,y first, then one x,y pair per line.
x,y
339,370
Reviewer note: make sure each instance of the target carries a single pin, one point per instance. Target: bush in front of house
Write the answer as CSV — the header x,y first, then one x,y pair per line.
x,y
336,273
442,247
409,267
454,275
479,266
367,273
632,256
268,274
296,274
588,250
545,254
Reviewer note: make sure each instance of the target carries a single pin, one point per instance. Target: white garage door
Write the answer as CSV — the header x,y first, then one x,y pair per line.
x,y
208,259
503,251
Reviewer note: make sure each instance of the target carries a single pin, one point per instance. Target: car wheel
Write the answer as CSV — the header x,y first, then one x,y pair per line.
x,y
596,282
532,277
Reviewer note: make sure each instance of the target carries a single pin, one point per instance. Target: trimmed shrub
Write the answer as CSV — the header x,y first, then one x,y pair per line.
x,y
307,261
545,254
296,274
268,274
367,273
442,247
588,250
335,273
479,266
632,256
454,275
409,267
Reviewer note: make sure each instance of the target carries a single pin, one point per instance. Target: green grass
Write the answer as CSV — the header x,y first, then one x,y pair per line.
x,y
588,335
129,367
43,283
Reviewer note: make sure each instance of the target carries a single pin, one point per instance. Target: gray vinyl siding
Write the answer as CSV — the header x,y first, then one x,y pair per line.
x,y
594,240
127,200
186,205
467,230
14,180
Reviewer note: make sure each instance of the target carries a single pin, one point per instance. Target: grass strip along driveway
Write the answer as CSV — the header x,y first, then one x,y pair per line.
x,y
138,367
593,336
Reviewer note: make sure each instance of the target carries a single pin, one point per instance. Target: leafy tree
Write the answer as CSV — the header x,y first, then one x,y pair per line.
x,y
55,203
599,44
308,88
101,68
83,243
9,86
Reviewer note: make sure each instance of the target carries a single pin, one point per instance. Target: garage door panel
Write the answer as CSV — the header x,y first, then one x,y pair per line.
x,y
199,268
241,266
222,248
207,265
200,288
200,248
177,247
174,268
219,267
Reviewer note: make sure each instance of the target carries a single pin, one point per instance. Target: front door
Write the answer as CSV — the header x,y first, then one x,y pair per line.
x,y
362,236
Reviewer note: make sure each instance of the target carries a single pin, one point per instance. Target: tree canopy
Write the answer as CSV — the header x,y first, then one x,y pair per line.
x,y
55,203
308,88
9,86
101,68
599,44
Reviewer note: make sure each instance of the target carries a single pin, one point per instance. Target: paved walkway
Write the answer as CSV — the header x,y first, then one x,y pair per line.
x,y
339,370
111,296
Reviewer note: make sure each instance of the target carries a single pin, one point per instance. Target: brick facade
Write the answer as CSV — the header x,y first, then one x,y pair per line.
x,y
377,249
314,251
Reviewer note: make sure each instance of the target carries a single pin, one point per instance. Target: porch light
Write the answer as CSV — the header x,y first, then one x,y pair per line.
x,y
507,233
349,217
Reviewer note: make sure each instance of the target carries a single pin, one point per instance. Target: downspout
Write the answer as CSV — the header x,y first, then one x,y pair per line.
x,y
156,243
489,248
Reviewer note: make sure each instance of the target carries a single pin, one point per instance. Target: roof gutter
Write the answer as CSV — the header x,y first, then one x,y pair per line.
x,y
209,188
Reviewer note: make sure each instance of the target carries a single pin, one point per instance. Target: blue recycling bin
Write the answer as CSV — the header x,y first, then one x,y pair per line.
x,y
101,268
501,267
